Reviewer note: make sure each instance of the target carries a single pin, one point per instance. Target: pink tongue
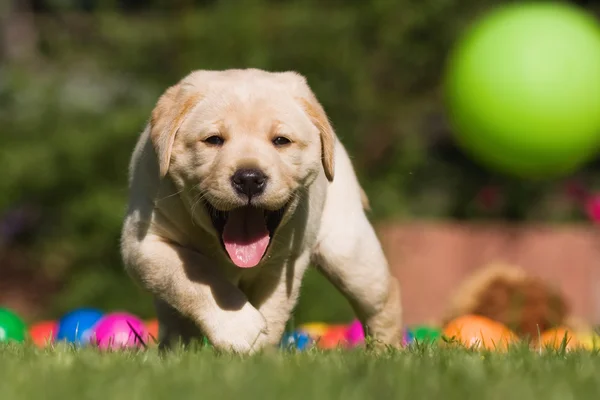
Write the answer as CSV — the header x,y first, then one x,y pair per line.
x,y
246,236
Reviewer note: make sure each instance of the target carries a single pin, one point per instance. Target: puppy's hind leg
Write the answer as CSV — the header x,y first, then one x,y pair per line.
x,y
275,295
174,329
351,259
349,254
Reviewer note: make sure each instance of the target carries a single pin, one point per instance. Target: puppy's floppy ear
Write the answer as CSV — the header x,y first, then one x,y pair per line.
x,y
318,117
168,115
297,84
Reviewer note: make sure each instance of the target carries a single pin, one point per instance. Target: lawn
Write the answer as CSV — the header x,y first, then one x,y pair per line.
x,y
416,373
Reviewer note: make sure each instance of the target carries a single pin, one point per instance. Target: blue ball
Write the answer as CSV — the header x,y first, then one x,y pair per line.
x,y
299,340
409,336
76,326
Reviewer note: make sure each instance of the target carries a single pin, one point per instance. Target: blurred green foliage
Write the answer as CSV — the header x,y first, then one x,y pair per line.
x,y
71,110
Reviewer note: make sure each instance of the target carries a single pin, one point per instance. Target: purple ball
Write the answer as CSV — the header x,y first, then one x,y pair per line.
x,y
120,330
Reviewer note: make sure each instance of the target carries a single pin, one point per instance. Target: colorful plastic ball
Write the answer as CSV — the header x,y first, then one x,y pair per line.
x,y
407,337
588,340
423,334
205,342
522,89
557,337
296,340
314,329
43,333
152,329
334,337
77,326
355,333
12,327
120,330
474,331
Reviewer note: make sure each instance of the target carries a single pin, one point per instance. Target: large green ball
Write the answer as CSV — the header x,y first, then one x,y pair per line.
x,y
522,89
12,326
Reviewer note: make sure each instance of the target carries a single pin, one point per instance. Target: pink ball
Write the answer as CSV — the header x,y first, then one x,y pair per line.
x,y
119,330
355,333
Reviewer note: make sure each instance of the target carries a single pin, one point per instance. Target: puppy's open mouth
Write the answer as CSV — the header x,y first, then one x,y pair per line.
x,y
245,232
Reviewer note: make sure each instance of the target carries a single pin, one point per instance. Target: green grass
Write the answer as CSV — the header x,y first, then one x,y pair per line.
x,y
416,373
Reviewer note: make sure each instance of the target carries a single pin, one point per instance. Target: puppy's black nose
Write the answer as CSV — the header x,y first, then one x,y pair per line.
x,y
249,181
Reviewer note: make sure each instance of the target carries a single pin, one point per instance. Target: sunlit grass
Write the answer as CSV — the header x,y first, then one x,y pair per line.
x,y
418,372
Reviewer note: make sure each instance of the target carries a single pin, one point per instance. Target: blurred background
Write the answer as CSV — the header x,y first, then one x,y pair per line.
x,y
78,79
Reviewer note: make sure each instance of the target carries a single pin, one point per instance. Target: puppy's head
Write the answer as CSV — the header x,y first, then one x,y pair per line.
x,y
241,145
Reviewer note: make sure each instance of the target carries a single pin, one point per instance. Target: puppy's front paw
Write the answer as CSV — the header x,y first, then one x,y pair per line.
x,y
244,331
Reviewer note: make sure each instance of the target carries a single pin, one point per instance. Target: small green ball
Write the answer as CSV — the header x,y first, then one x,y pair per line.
x,y
11,326
424,334
522,89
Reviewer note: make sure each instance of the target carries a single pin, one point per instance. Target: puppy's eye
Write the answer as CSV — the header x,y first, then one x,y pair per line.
x,y
214,140
281,141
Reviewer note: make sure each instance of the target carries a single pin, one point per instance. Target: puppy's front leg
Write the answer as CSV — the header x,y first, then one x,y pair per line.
x,y
188,282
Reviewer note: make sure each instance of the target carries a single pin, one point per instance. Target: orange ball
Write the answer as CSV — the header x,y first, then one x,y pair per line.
x,y
475,331
43,333
553,338
335,336
152,328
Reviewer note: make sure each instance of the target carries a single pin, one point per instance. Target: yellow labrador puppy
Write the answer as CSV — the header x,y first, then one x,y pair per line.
x,y
237,183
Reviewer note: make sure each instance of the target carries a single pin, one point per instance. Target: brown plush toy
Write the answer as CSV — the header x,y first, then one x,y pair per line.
x,y
523,302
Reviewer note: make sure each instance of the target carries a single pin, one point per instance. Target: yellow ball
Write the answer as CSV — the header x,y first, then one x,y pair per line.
x,y
589,340
314,329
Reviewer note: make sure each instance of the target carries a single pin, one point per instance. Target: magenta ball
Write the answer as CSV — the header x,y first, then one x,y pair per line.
x,y
120,330
355,333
